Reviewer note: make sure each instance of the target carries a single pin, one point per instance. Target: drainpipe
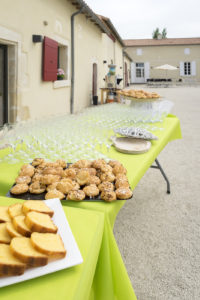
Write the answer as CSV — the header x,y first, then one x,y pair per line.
x,y
72,59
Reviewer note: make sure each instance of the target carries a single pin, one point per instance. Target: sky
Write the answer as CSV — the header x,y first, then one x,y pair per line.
x,y
136,19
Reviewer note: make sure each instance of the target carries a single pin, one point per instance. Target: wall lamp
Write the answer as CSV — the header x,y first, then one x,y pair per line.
x,y
37,38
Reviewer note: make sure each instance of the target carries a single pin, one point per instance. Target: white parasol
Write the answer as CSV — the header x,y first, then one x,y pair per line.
x,y
166,67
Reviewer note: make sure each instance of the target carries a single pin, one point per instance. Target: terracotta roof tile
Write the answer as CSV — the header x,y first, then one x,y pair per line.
x,y
162,42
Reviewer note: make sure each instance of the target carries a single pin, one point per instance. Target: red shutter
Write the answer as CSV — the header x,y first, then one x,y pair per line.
x,y
50,59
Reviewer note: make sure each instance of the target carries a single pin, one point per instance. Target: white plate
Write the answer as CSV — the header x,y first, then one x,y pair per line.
x,y
72,258
130,145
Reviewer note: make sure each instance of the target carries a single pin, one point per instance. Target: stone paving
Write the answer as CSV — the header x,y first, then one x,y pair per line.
x,y
159,234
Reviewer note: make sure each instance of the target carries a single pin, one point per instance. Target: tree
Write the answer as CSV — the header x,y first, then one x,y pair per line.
x,y
157,35
164,33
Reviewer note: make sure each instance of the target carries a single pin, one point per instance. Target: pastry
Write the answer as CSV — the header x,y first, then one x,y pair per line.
x,y
52,186
108,195
54,194
70,173
92,171
27,170
65,186
61,163
37,188
94,180
49,179
36,177
106,169
91,190
119,169
78,195
97,164
53,171
121,182
37,161
83,163
106,185
107,177
82,177
113,163
23,179
123,193
19,189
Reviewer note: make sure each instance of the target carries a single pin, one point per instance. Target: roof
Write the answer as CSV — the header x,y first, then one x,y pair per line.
x,y
162,42
88,12
107,22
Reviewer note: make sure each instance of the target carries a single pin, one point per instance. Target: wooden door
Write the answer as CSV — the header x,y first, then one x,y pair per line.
x,y
3,85
126,74
94,80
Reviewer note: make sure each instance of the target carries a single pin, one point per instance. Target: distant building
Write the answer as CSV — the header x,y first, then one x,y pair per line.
x,y
183,53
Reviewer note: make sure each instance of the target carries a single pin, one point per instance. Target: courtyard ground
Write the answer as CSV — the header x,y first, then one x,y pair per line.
x,y
159,234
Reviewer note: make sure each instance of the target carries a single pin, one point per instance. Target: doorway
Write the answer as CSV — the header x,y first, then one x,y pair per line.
x,y
139,73
3,85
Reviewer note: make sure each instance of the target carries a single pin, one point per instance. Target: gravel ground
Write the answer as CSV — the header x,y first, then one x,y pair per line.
x,y
159,234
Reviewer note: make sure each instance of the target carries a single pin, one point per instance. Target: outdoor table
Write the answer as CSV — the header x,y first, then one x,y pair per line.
x,y
110,279
107,90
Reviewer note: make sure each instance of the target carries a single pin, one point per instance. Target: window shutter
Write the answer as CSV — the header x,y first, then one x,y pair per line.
x,y
50,59
181,68
132,72
146,70
193,68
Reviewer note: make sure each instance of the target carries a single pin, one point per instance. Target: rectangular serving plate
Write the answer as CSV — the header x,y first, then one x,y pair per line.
x,y
72,258
29,196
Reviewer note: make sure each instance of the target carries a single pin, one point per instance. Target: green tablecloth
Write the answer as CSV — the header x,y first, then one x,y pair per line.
x,y
110,280
73,283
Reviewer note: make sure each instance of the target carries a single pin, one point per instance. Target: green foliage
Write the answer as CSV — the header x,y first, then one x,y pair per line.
x,y
156,33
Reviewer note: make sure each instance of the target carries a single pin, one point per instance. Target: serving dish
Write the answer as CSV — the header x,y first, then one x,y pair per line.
x,y
72,258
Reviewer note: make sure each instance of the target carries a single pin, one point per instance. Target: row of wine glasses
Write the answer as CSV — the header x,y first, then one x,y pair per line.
x,y
85,135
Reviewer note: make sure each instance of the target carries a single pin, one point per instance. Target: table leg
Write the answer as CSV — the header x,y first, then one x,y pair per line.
x,y
163,174
102,96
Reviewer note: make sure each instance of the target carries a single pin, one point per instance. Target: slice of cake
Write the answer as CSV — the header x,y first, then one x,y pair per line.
x,y
11,230
4,216
21,248
15,210
48,243
20,226
10,265
40,222
38,206
4,236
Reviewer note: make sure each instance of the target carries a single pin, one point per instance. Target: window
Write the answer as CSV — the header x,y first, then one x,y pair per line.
x,y
187,51
187,68
139,51
139,70
63,59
